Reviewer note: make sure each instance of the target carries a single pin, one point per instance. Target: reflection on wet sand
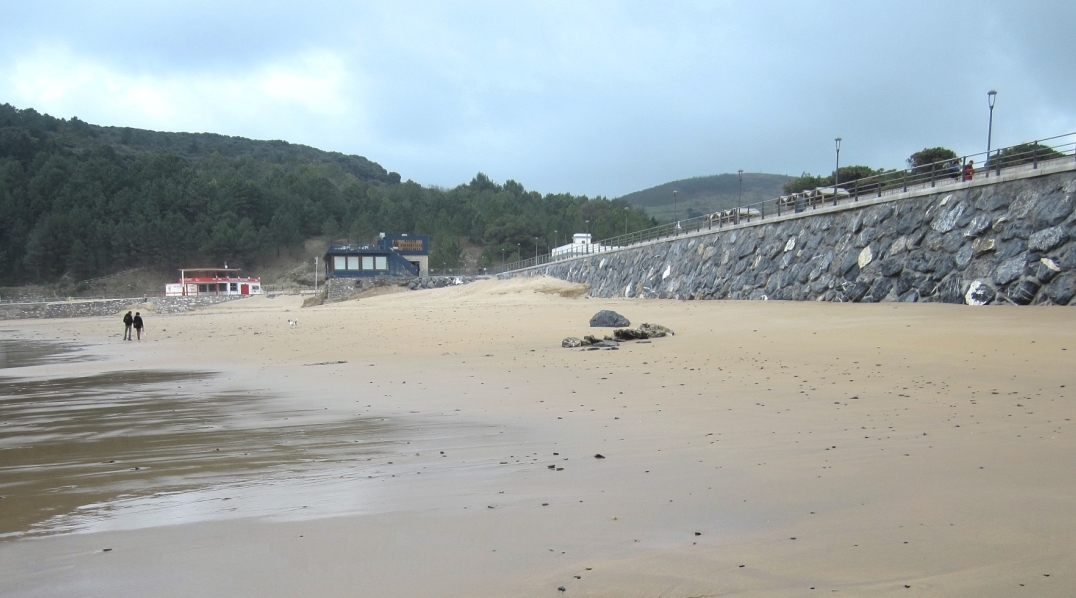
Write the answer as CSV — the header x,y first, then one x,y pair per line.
x,y
16,353
73,450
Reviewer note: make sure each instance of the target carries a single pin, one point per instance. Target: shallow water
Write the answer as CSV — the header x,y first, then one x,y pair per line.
x,y
133,449
15,353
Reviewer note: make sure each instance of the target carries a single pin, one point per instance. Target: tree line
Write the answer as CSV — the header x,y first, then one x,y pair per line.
x,y
79,201
922,165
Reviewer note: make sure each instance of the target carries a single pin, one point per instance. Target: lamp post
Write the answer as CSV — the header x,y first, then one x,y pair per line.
x,y
519,250
626,211
739,197
991,96
536,251
315,275
556,238
588,226
674,204
503,262
837,172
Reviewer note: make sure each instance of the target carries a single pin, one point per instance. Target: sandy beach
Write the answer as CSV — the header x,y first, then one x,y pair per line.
x,y
442,443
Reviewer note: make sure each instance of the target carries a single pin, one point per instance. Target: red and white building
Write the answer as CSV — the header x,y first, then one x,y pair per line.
x,y
213,281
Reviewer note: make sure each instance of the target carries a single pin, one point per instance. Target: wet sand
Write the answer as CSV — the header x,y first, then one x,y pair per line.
x,y
401,445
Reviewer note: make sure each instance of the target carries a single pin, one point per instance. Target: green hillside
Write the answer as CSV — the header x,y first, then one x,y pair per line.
x,y
705,194
79,201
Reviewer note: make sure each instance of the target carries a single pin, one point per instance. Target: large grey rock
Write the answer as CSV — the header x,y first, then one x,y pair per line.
x,y
1009,270
951,290
1046,269
1067,258
1062,289
1014,230
946,219
1053,209
608,319
963,256
1047,238
879,290
1008,249
977,225
857,291
1024,292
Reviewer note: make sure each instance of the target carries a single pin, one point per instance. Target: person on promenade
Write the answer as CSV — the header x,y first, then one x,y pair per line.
x,y
138,325
953,168
127,321
969,170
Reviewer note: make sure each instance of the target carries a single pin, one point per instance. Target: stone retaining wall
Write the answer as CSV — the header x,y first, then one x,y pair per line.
x,y
108,307
1011,241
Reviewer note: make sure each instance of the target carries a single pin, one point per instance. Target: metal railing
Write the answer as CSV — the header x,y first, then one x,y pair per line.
x,y
1021,157
460,271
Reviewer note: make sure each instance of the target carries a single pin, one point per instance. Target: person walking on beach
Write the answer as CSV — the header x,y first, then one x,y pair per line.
x,y
127,321
138,325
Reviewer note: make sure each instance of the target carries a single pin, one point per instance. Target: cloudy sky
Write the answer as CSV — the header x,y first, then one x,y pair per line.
x,y
601,98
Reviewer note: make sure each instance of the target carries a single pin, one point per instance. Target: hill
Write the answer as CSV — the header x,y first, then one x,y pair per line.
x,y
79,201
701,195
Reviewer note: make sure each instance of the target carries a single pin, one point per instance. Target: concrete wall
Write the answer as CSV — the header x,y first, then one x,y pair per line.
x,y
998,240
108,307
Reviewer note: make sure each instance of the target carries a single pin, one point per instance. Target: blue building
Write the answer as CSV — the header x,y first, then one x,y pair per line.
x,y
392,255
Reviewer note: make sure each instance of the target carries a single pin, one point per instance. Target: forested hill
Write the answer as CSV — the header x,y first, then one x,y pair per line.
x,y
78,201
705,194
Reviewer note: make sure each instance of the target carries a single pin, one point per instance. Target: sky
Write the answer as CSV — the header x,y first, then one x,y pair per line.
x,y
596,98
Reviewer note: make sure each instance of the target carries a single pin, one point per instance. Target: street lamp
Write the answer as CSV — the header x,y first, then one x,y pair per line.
x,y
674,203
991,96
588,226
519,250
536,250
556,238
837,172
739,197
503,262
626,211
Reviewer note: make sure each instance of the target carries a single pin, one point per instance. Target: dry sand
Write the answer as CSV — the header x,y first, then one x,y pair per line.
x,y
400,445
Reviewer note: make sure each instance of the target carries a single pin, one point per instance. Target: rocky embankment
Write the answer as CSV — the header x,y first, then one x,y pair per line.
x,y
436,282
1012,242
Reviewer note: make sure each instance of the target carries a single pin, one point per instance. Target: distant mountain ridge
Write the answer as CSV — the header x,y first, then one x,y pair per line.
x,y
705,194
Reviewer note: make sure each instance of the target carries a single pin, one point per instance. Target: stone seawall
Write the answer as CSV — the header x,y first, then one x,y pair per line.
x,y
1011,241
78,308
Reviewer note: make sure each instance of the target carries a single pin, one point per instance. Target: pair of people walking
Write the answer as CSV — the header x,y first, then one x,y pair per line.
x,y
133,322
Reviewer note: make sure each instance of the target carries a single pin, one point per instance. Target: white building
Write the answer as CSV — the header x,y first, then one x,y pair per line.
x,y
581,244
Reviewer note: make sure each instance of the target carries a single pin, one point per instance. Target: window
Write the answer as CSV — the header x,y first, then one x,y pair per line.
x,y
339,262
203,288
367,262
235,287
381,263
352,262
